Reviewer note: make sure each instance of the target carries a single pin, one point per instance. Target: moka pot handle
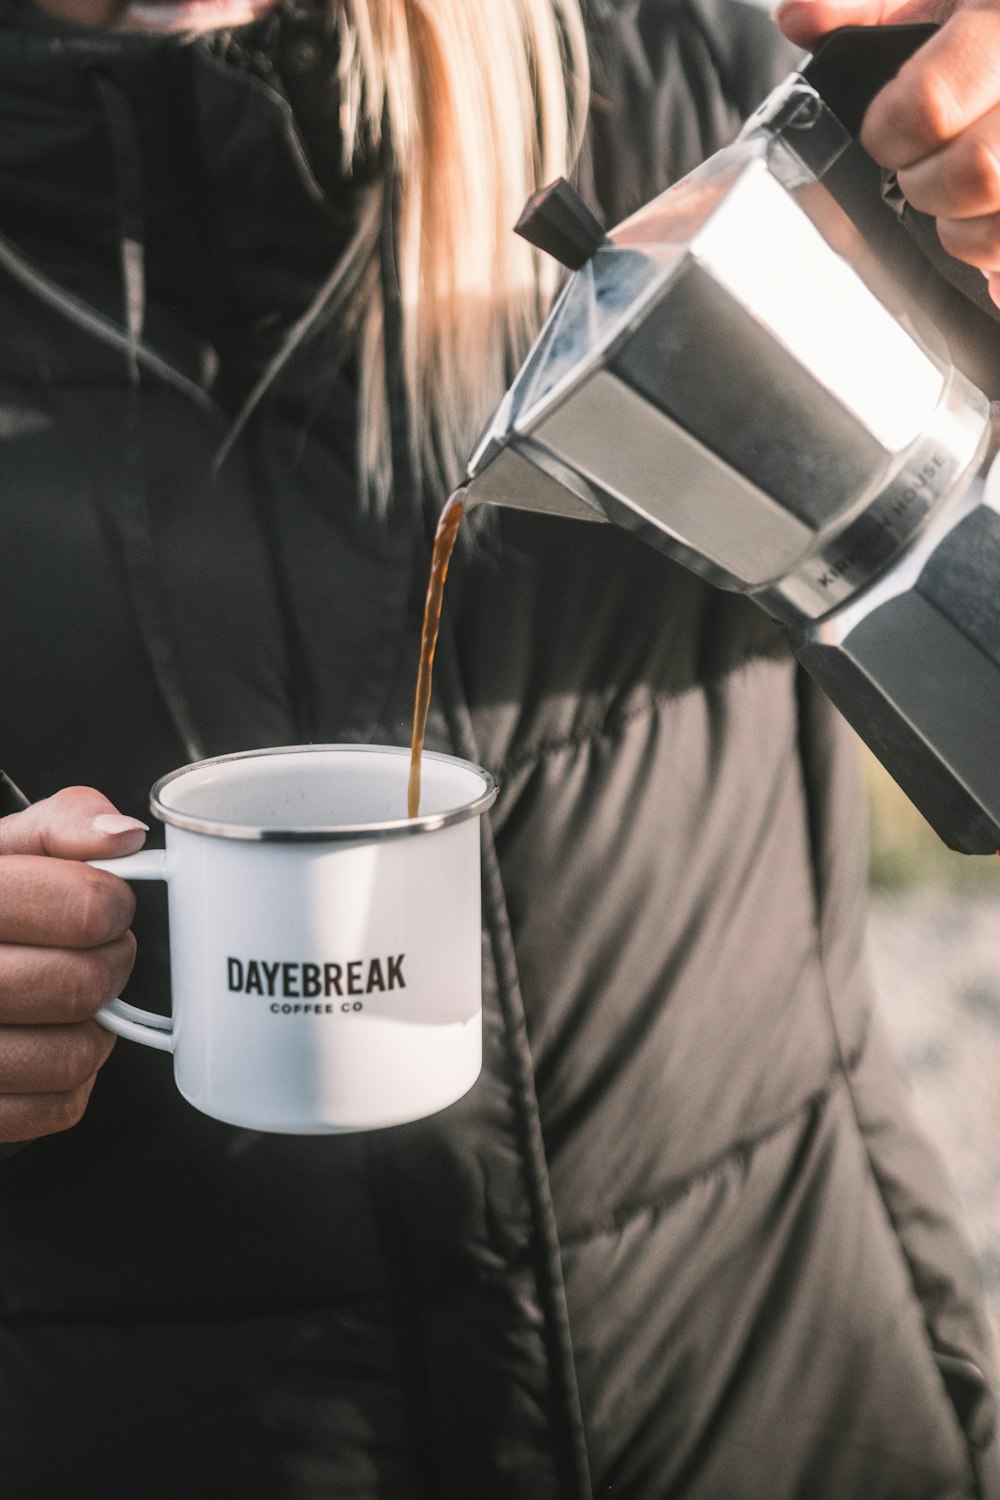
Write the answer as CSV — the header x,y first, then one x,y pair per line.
x,y
852,64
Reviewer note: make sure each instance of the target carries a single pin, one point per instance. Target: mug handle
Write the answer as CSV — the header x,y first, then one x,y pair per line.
x,y
118,1016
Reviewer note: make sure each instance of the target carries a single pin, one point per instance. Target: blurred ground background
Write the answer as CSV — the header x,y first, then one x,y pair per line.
x,y
935,948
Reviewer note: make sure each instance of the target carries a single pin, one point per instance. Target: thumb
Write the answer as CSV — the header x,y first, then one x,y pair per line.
x,y
805,22
76,823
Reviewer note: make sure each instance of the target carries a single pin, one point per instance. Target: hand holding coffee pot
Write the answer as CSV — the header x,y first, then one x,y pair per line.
x,y
936,124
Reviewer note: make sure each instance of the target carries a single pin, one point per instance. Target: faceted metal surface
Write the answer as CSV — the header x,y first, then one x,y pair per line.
x,y
721,380
732,378
914,664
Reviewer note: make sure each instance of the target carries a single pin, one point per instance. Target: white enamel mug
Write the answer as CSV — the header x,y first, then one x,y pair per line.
x,y
325,949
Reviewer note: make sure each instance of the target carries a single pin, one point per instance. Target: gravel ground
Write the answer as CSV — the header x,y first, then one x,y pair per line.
x,y
936,959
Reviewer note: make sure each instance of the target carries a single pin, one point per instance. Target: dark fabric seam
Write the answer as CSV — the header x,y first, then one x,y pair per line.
x,y
547,1254
132,1317
693,13
609,726
744,1148
422,1428
301,687
856,1116
130,508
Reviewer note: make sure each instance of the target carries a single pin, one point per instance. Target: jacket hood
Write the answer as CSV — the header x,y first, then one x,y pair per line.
x,y
219,156
176,207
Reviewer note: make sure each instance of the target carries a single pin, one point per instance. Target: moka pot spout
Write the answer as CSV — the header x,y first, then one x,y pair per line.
x,y
514,472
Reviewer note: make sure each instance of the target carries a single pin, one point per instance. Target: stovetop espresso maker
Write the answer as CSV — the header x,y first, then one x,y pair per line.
x,y
731,375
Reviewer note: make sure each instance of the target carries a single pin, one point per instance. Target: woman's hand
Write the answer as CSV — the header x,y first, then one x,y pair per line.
x,y
65,948
937,124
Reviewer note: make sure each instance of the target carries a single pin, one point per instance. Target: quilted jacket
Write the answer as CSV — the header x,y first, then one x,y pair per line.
x,y
682,1241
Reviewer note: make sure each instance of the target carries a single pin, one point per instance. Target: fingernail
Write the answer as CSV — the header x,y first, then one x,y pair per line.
x,y
117,823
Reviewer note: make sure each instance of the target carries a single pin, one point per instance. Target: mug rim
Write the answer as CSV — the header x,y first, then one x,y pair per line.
x,y
327,834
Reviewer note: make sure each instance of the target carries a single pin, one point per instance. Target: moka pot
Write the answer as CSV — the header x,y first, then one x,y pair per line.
x,y
731,375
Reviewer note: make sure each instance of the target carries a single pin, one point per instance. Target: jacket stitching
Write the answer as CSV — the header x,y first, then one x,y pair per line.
x,y
606,729
612,724
739,1151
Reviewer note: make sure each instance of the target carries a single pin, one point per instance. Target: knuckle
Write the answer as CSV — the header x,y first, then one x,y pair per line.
x,y
927,103
83,989
976,241
76,1056
64,797
70,798
109,971
22,975
125,960
24,1117
64,1110
105,906
65,809
88,983
981,170
955,238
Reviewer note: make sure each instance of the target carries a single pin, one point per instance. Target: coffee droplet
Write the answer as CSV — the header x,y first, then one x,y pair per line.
x,y
444,546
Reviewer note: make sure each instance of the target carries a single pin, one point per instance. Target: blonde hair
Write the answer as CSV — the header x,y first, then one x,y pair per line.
x,y
485,100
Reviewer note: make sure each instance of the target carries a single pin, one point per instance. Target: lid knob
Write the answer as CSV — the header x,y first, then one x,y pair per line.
x,y
556,219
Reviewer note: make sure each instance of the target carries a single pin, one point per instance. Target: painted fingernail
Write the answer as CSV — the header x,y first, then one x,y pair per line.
x,y
117,823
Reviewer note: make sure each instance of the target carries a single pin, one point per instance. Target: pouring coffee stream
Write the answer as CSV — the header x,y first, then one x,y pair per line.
x,y
738,375
734,375
444,546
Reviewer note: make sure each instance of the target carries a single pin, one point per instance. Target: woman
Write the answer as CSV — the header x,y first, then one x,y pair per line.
x,y
681,1239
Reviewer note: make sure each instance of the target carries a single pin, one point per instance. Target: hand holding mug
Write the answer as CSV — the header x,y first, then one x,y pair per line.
x,y
65,949
937,124
325,947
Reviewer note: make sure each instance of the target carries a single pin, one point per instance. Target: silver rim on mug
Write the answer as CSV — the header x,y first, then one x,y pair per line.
x,y
341,832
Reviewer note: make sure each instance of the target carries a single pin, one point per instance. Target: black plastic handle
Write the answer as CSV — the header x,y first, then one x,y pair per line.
x,y
851,65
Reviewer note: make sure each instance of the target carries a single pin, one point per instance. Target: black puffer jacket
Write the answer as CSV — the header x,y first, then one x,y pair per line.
x,y
681,1240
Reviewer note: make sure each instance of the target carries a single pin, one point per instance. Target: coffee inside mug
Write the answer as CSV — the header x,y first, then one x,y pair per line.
x,y
316,794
